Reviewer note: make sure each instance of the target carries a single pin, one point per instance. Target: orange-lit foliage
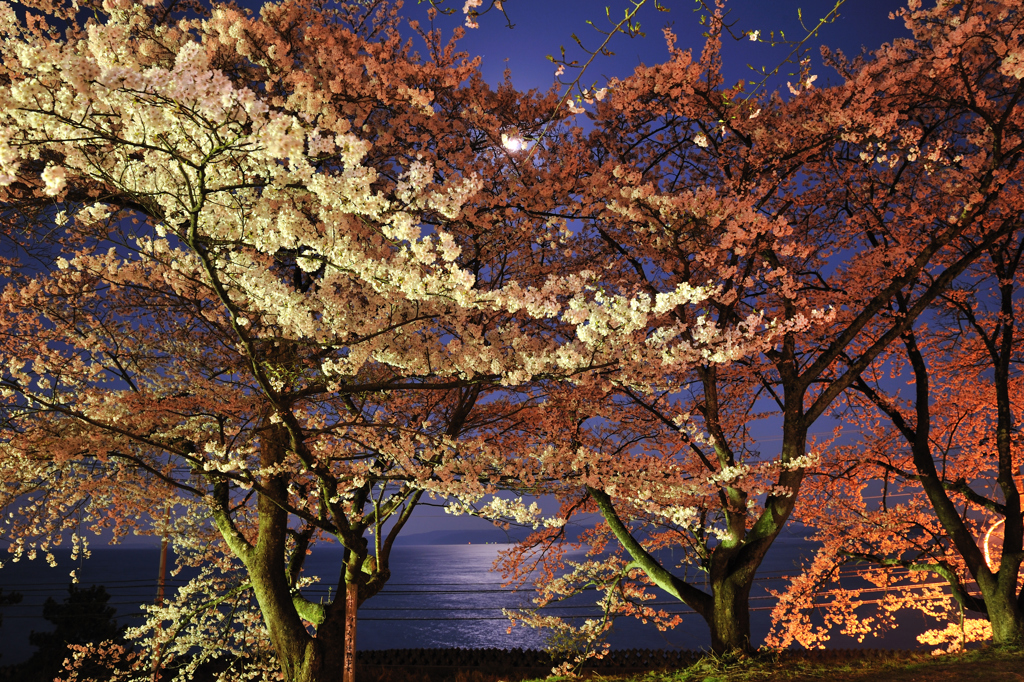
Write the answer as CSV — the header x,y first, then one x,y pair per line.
x,y
858,207
932,484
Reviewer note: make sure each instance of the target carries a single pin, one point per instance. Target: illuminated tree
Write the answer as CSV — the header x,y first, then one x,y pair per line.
x,y
869,200
932,489
285,281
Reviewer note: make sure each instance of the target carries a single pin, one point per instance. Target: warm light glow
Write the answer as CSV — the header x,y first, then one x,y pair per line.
x,y
513,143
987,542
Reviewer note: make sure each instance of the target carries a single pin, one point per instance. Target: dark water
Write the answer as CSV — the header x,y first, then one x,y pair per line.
x,y
438,596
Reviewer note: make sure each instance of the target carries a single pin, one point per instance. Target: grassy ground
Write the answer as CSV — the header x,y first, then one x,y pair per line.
x,y
985,665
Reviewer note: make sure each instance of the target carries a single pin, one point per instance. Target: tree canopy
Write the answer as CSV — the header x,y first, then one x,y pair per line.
x,y
867,208
282,278
278,279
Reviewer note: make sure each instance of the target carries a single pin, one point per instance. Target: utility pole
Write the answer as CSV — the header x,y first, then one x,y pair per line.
x,y
160,582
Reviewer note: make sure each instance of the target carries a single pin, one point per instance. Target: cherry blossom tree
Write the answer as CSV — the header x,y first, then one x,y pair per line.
x,y
283,280
242,307
868,200
944,454
948,457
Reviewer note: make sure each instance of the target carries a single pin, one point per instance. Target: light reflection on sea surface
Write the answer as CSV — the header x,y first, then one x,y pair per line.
x,y
430,586
438,596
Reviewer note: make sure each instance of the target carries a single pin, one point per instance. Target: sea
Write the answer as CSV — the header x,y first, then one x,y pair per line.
x,y
439,596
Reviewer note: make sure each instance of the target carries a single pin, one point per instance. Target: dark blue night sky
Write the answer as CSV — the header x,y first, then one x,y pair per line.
x,y
542,27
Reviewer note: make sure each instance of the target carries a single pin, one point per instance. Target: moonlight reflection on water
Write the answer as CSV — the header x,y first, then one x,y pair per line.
x,y
439,596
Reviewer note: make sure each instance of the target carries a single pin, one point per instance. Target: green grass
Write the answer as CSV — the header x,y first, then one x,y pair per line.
x,y
990,665
984,665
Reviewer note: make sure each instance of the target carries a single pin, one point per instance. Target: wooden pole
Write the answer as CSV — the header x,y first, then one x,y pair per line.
x,y
351,605
160,582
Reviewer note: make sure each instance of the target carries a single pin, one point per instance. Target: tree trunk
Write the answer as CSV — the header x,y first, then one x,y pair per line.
x,y
1007,625
301,656
317,661
1004,612
729,616
330,655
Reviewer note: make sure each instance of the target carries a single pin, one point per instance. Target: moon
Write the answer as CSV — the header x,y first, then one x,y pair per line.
x,y
513,143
